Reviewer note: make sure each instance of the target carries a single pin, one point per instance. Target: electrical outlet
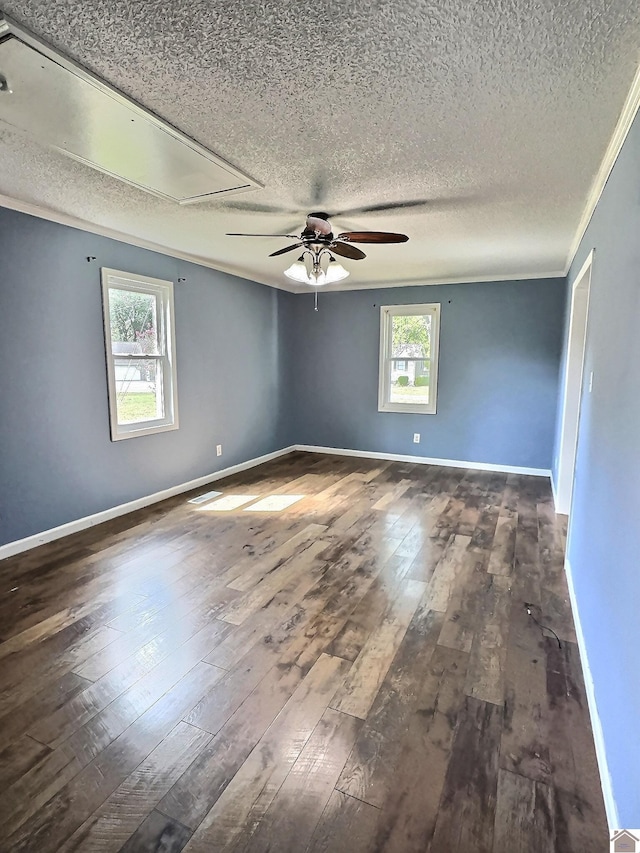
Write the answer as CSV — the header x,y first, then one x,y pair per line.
x,y
416,438
218,450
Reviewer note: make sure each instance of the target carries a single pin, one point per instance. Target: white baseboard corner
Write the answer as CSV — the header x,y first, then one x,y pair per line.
x,y
610,806
26,544
426,460
554,493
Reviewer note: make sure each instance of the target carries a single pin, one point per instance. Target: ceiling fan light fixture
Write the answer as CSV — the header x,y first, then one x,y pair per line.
x,y
317,265
298,272
335,271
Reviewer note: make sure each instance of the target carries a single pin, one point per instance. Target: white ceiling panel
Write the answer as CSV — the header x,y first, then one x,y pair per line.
x,y
71,112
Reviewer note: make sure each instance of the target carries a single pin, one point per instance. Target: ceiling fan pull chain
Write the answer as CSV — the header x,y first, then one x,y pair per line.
x,y
315,307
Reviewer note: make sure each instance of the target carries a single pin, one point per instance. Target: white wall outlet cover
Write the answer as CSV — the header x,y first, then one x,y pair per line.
x,y
416,438
218,450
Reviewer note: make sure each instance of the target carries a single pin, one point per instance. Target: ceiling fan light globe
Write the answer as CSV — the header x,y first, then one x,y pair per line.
x,y
336,272
298,272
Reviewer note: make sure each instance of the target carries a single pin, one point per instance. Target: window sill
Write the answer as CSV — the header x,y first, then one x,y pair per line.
x,y
143,429
399,408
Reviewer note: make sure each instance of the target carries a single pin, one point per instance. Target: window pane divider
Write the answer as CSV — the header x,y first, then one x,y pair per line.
x,y
136,355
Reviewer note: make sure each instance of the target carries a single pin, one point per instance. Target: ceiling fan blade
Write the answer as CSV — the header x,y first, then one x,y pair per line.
x,y
347,251
372,237
249,207
286,249
319,188
433,204
392,205
290,236
292,227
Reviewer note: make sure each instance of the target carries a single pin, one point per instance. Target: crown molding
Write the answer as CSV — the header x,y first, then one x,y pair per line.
x,y
620,133
479,279
61,218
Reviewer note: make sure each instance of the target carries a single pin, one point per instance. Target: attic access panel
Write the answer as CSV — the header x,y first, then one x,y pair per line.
x,y
63,106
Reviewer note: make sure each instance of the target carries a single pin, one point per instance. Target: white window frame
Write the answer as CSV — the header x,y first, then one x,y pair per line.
x,y
387,313
163,292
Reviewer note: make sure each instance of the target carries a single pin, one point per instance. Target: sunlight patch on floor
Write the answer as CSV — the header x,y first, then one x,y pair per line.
x,y
274,503
227,503
202,498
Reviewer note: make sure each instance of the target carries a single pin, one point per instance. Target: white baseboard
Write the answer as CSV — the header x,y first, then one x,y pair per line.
x,y
426,460
20,545
554,493
596,726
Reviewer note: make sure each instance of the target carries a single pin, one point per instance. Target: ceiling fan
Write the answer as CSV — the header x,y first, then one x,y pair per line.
x,y
319,245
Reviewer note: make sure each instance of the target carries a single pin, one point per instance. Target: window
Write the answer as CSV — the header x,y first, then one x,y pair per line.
x,y
409,336
140,347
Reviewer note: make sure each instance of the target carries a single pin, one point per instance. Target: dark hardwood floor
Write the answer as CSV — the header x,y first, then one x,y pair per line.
x,y
354,672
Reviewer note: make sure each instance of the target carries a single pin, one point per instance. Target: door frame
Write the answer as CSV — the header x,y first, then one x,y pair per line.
x,y
573,385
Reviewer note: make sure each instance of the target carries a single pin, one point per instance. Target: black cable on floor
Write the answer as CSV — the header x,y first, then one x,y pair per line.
x,y
528,608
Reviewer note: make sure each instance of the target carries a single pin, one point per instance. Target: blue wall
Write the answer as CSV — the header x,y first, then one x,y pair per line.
x,y
604,547
500,346
57,462
258,370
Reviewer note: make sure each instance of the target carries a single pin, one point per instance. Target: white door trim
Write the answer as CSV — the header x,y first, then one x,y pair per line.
x,y
573,379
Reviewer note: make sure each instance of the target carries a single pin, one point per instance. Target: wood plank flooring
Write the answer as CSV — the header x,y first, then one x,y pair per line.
x,y
355,672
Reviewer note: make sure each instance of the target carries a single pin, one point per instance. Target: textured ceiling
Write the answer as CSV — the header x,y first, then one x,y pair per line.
x,y
495,114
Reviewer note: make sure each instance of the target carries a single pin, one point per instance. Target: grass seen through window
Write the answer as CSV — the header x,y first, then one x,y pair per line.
x,y
136,406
